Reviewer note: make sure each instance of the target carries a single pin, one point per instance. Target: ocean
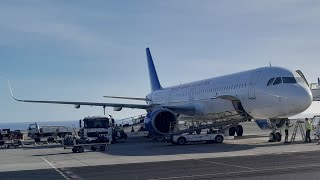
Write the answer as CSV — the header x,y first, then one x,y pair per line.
x,y
25,125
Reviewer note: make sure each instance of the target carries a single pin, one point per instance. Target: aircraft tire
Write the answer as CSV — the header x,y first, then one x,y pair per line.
x,y
239,130
272,137
74,150
278,136
232,131
80,149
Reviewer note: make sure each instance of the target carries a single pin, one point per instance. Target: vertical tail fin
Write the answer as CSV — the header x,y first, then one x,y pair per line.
x,y
154,81
318,80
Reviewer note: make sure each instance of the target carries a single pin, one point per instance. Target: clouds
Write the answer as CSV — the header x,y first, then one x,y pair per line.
x,y
81,50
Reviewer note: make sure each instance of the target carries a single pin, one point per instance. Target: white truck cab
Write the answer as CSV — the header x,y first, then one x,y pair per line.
x,y
95,127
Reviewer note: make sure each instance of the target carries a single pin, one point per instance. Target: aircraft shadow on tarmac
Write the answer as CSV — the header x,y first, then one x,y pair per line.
x,y
161,148
148,147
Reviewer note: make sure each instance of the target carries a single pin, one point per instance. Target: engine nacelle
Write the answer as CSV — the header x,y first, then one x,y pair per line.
x,y
160,121
268,123
77,106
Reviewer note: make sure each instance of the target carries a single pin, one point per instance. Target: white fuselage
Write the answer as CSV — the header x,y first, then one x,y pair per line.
x,y
259,100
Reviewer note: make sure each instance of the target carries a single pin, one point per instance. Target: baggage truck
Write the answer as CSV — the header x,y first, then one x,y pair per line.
x,y
36,132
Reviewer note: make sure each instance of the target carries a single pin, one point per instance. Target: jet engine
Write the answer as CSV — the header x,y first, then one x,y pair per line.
x,y
77,106
160,121
266,124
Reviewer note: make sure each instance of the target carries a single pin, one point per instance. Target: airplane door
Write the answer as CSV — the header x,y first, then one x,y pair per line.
x,y
252,84
191,94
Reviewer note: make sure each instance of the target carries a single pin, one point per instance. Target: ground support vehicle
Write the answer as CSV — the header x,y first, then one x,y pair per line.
x,y
10,138
79,144
137,134
50,132
208,138
96,128
214,130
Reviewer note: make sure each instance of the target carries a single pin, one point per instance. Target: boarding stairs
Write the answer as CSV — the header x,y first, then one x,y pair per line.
x,y
315,90
297,126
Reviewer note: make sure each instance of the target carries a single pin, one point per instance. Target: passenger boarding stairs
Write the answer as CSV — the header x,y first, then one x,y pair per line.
x,y
315,90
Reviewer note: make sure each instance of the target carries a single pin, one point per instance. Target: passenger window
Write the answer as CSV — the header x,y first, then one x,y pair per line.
x,y
290,80
270,81
277,81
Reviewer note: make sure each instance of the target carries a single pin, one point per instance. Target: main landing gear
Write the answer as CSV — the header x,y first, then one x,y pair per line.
x,y
236,129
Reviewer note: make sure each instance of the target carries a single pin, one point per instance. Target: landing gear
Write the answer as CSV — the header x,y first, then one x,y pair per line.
x,y
273,137
237,129
232,131
278,136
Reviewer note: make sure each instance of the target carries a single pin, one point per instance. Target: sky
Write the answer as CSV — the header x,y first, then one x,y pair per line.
x,y
81,50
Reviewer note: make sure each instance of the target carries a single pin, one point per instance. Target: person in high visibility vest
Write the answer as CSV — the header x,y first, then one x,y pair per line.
x,y
286,129
308,126
318,131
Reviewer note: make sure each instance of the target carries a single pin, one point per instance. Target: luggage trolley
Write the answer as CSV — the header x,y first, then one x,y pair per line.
x,y
79,147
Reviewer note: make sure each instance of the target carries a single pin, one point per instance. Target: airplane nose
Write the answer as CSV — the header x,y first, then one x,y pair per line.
x,y
302,98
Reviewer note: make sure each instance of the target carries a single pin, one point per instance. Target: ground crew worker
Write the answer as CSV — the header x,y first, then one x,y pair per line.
x,y
308,126
286,129
318,131
132,130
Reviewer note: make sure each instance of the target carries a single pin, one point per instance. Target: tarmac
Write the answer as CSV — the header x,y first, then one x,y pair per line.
x,y
247,157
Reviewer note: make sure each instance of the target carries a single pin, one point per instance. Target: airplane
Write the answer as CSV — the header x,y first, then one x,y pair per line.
x,y
268,94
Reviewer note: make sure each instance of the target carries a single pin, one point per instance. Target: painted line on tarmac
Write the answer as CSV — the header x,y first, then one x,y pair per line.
x,y
212,162
56,169
72,157
238,172
71,174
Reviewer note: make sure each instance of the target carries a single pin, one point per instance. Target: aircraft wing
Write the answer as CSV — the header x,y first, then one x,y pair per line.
x,y
79,103
188,110
129,98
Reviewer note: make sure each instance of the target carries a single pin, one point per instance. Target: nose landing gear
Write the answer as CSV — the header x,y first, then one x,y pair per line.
x,y
274,135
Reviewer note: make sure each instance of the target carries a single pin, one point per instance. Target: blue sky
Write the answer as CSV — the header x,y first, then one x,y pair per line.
x,y
82,50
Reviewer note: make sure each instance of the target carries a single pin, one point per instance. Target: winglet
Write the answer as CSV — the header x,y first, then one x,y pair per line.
x,y
318,80
12,92
154,80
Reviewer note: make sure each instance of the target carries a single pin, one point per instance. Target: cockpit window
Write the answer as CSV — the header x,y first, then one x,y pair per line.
x,y
277,81
270,81
290,80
